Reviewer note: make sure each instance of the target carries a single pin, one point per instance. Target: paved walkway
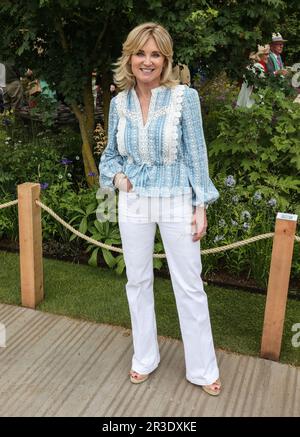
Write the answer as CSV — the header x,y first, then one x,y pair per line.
x,y
56,366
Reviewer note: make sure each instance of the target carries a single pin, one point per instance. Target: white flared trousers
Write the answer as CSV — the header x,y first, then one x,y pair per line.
x,y
137,227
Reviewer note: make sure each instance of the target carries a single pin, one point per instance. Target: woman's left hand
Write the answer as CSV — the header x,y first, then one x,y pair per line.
x,y
199,223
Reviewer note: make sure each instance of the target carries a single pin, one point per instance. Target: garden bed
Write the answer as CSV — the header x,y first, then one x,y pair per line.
x,y
75,253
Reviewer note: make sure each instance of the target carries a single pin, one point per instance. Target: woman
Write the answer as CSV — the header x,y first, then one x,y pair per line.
x,y
156,156
260,58
259,68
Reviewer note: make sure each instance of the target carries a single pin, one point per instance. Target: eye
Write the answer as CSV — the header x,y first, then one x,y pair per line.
x,y
140,53
156,55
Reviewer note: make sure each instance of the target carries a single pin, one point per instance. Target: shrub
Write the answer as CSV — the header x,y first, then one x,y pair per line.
x,y
261,145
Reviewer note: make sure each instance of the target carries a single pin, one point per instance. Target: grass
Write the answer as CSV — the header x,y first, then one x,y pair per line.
x,y
98,295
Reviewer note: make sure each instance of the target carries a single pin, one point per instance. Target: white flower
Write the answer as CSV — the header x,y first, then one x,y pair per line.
x,y
245,215
218,238
222,223
230,181
257,196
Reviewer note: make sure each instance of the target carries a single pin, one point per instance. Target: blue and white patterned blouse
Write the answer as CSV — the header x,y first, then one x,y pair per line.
x,y
165,157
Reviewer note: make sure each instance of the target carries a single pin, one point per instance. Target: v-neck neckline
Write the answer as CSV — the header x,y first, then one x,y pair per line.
x,y
150,109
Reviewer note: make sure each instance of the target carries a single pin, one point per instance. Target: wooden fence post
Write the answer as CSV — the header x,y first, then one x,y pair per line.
x,y
30,242
280,269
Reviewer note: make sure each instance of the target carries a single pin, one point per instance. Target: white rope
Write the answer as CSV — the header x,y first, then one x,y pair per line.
x,y
156,255
238,244
79,234
6,205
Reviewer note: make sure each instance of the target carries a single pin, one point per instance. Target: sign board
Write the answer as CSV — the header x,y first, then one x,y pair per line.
x,y
286,216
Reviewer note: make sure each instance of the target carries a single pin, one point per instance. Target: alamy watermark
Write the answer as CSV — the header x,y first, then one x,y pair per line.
x,y
296,77
296,337
2,335
167,207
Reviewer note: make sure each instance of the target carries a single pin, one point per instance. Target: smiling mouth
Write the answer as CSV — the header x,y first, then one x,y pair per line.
x,y
147,70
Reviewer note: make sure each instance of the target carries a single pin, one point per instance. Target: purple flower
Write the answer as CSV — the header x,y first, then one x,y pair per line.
x,y
245,215
66,161
222,223
272,202
218,238
44,185
257,196
6,122
91,173
230,181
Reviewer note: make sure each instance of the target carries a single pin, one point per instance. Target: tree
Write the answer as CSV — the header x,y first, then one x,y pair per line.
x,y
64,42
221,33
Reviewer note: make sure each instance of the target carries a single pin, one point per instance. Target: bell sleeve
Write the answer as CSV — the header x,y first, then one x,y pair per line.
x,y
195,152
111,161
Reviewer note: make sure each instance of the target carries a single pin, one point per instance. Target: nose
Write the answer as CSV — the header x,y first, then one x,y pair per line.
x,y
147,60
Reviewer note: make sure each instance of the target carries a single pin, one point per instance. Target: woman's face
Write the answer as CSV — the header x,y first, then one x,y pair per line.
x,y
147,64
265,57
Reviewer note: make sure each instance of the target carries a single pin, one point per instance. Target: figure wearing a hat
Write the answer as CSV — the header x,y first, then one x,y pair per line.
x,y
258,65
275,64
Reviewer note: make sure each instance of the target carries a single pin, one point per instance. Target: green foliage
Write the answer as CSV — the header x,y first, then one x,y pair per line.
x,y
291,26
64,41
254,77
233,30
45,159
240,213
214,95
45,109
261,145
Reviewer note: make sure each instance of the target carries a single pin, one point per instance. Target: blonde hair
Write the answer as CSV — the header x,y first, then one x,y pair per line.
x,y
136,39
261,50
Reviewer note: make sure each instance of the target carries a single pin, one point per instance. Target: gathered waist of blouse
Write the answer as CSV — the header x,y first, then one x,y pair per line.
x,y
158,179
133,169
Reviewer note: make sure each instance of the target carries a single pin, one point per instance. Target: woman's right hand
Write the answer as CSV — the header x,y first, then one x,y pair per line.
x,y
122,182
129,185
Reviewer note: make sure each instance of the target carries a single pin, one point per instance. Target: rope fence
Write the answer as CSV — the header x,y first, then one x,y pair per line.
x,y
31,261
6,205
155,255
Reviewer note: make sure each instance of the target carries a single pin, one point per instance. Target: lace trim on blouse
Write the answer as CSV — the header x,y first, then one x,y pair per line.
x,y
170,138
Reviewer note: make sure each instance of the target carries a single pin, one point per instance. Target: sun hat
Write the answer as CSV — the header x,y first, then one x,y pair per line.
x,y
261,50
276,37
